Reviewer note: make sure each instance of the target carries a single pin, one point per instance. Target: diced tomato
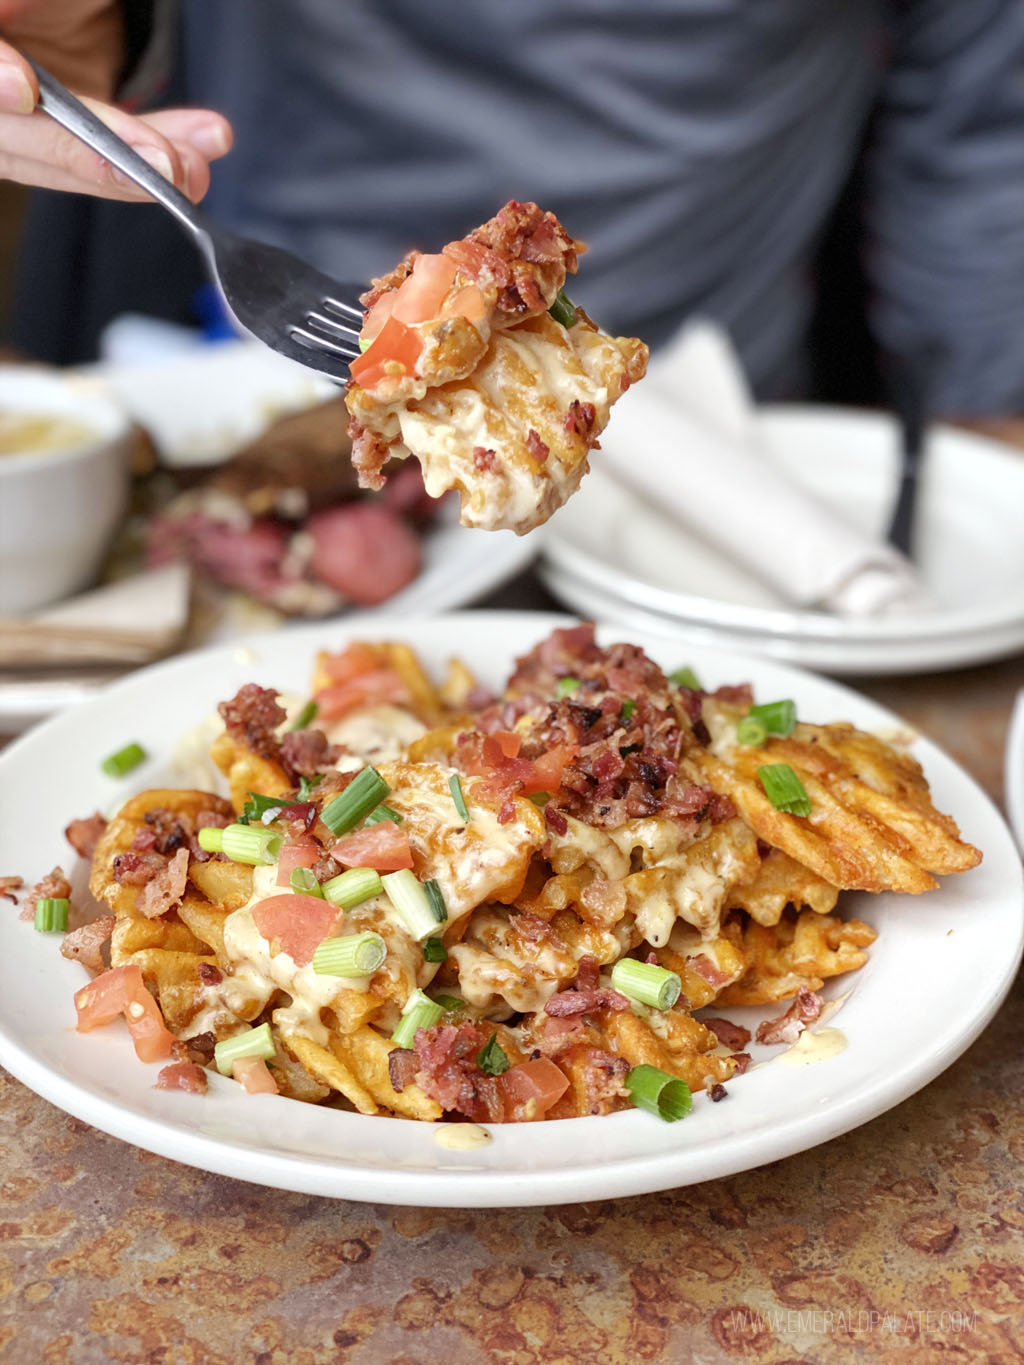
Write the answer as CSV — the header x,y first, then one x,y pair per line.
x,y
254,1076
123,991
384,846
302,852
395,343
508,742
547,770
357,658
378,315
533,1087
295,924
376,688
421,295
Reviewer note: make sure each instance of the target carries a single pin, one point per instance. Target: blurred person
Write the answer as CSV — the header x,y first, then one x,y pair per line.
x,y
698,146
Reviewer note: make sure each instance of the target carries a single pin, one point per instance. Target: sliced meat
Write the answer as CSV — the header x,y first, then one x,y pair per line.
x,y
364,551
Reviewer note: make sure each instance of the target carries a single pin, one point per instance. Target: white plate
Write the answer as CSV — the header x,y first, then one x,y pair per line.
x,y
848,657
969,550
939,970
1013,782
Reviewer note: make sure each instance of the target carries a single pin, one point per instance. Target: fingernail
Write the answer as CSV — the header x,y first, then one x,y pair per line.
x,y
210,138
159,160
16,95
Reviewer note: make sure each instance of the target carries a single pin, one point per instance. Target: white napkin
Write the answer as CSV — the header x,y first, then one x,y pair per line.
x,y
693,449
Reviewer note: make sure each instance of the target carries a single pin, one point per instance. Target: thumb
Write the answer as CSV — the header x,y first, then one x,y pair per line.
x,y
19,88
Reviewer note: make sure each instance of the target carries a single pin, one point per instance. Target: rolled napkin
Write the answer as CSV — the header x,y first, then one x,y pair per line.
x,y
686,439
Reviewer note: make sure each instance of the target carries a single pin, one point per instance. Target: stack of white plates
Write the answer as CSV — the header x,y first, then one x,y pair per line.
x,y
610,554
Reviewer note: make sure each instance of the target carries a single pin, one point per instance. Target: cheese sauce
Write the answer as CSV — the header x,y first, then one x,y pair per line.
x,y
814,1047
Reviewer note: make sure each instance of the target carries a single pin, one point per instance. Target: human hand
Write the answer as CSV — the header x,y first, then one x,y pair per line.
x,y
80,40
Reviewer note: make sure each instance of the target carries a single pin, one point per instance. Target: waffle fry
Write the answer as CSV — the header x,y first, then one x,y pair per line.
x,y
804,949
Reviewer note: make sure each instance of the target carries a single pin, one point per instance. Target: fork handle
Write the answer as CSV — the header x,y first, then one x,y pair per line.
x,y
57,101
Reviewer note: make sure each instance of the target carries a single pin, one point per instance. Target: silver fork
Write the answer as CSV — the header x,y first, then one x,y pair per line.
x,y
271,294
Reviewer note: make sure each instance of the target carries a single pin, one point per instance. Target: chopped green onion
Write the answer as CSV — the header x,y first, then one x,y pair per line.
x,y
366,790
628,707
539,799
751,732
351,888
451,1004
242,844
777,717
492,1057
412,901
350,955
563,310
565,687
455,786
254,1042
420,1012
685,677
384,813
659,1093
434,950
261,808
52,914
647,982
306,785
304,879
784,789
364,344
117,765
437,902
306,716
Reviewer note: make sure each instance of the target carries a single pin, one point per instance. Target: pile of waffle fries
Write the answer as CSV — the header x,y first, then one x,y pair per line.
x,y
596,811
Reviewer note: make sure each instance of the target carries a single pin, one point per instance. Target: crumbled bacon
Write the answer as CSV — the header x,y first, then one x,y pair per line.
x,y
447,1071
304,753
536,447
403,1063
710,971
54,885
170,830
9,885
182,1076
603,1077
787,1027
568,1003
742,1060
83,835
136,868
486,459
579,420
209,974
166,888
84,944
252,717
730,1035
200,1048
555,819
717,1092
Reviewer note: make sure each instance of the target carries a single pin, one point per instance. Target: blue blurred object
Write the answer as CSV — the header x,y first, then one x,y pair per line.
x,y
212,315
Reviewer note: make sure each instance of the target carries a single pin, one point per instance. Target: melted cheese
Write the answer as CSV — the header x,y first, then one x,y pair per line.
x,y
373,734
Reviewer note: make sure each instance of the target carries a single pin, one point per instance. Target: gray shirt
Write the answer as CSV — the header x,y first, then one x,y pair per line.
x,y
696,145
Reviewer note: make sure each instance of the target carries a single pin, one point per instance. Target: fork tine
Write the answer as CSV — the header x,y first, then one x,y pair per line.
x,y
320,343
346,310
335,330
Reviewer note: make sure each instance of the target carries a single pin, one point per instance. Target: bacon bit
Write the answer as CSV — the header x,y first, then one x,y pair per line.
x,y
200,1048
787,1028
8,886
568,1003
210,975
507,811
742,1060
710,971
84,944
603,1077
134,868
580,419
83,835
403,1063
166,888
740,694
717,1092
486,460
651,959
555,819
304,753
182,1076
447,1072
587,973
252,717
536,447
730,1035
54,884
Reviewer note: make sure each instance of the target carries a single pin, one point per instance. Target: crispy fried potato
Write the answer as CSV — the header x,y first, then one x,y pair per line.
x,y
687,1051
175,976
703,965
131,936
247,771
872,825
803,949
780,881
225,884
365,1053
329,1069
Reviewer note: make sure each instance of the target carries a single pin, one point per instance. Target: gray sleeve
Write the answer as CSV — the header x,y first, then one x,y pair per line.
x,y
945,207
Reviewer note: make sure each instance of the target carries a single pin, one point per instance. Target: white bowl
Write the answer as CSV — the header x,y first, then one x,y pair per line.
x,y
59,508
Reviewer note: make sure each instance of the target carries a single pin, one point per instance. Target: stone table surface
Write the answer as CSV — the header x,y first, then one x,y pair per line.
x,y
900,1241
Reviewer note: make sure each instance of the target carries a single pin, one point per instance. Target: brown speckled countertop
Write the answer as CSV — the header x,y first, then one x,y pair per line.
x,y
901,1241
